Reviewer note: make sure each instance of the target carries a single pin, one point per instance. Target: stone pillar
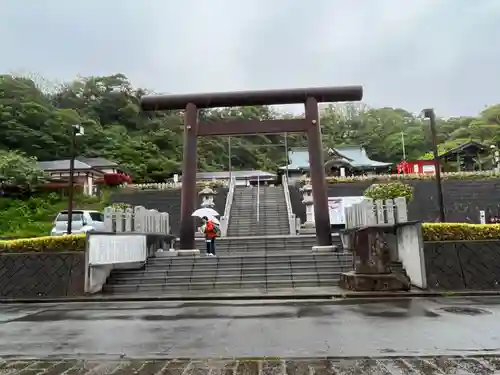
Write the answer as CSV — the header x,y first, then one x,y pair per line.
x,y
372,262
309,226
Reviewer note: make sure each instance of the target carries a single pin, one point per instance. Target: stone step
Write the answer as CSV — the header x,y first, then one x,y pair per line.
x,y
259,246
178,287
229,278
278,257
262,221
259,230
253,217
236,262
256,250
308,237
159,265
187,271
224,266
251,222
259,242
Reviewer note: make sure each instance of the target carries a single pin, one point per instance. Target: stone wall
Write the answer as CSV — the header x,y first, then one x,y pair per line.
x,y
472,265
32,275
463,199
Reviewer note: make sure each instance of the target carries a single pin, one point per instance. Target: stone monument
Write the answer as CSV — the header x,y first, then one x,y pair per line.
x,y
373,257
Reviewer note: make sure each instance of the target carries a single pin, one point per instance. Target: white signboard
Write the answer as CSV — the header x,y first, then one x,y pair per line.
x,y
337,206
429,169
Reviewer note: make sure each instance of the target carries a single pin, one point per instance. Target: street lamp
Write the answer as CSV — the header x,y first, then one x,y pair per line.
x,y
76,130
430,114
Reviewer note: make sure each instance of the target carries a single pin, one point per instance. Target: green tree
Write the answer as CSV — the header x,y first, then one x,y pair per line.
x,y
36,118
19,169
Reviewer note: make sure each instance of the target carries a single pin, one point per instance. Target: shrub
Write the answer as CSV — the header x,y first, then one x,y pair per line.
x,y
460,232
115,179
74,242
485,175
390,190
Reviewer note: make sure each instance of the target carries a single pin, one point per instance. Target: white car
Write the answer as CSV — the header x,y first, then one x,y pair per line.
x,y
83,222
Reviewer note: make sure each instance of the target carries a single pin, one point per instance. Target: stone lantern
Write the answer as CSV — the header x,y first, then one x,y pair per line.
x,y
207,197
307,199
207,201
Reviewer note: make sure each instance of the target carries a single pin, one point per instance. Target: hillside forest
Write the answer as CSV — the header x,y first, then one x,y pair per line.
x,y
36,118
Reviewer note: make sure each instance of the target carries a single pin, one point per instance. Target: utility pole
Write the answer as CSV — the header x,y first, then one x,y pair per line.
x,y
76,130
403,144
431,115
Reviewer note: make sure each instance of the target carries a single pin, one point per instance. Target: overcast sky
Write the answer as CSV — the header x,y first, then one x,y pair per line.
x,y
410,54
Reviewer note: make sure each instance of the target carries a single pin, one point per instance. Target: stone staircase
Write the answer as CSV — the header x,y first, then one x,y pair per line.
x,y
260,256
272,219
231,273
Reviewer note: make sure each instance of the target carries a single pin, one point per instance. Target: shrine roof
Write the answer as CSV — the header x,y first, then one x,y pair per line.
x,y
355,156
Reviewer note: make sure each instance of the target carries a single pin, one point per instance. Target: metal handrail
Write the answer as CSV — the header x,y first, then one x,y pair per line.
x,y
227,208
258,198
291,216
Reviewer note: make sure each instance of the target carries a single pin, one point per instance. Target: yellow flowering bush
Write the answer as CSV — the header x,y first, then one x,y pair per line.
x,y
74,242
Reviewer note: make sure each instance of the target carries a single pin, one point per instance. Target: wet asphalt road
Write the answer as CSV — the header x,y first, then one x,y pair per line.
x,y
403,327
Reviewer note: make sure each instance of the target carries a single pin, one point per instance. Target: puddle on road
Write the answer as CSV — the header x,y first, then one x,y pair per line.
x,y
305,311
389,310
400,314
462,310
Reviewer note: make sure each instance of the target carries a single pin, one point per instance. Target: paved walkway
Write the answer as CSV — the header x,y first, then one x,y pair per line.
x,y
108,333
385,366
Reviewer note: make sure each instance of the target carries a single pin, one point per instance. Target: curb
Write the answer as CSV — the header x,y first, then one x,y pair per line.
x,y
251,297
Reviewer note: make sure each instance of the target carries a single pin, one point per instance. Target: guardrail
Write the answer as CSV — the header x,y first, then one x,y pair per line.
x,y
224,222
292,221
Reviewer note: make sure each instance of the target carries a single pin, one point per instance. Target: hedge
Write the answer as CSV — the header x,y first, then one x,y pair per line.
x,y
460,232
75,242
486,175
390,190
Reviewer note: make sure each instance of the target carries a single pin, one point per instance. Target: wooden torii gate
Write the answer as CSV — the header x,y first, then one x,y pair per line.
x,y
310,124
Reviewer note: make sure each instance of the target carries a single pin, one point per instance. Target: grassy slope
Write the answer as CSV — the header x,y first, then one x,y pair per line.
x,y
34,217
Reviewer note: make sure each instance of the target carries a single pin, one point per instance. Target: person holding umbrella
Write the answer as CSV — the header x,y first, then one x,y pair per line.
x,y
211,231
210,227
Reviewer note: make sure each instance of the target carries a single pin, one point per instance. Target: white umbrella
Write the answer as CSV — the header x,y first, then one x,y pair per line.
x,y
202,212
214,220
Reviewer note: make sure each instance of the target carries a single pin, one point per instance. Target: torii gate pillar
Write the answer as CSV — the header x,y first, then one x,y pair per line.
x,y
310,97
